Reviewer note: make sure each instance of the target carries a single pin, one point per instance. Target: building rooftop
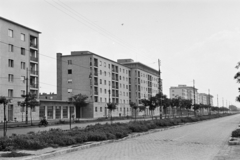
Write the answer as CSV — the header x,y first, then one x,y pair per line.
x,y
19,24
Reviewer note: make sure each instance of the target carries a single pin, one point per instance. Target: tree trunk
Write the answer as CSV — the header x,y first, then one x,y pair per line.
x,y
4,122
31,116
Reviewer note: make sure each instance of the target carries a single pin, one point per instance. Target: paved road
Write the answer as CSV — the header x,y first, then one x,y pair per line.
x,y
200,141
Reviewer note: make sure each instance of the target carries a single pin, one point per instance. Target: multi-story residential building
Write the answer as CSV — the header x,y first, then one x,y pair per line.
x,y
185,92
205,99
101,79
144,81
19,64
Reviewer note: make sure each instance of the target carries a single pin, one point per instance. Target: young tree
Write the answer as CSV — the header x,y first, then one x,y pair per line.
x,y
30,101
135,107
79,101
143,107
4,101
237,77
188,103
111,106
152,104
165,103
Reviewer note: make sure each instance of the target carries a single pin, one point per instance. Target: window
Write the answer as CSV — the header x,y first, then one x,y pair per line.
x,y
100,63
95,109
22,37
69,71
100,109
105,73
22,65
109,66
10,48
65,112
105,82
69,90
10,33
10,78
69,62
23,79
100,72
22,51
105,91
10,92
57,112
100,90
70,81
22,92
10,63
100,81
100,99
104,64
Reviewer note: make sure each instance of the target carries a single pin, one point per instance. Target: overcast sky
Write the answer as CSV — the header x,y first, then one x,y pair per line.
x,y
198,39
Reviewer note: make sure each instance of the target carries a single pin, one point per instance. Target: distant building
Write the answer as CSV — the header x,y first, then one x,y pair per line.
x,y
19,54
50,96
185,92
205,99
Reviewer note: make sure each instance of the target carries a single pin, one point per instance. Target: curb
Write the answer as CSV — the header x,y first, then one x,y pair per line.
x,y
234,141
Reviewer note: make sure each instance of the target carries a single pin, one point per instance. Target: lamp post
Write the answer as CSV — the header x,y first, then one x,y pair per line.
x,y
160,89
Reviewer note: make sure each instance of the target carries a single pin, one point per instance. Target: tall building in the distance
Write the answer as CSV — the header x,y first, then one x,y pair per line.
x,y
144,80
19,54
205,99
185,92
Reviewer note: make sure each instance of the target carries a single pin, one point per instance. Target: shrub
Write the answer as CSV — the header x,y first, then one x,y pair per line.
x,y
94,136
236,133
81,137
136,127
6,144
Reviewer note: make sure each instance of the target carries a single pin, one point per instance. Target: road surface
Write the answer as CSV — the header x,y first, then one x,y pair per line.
x,y
200,141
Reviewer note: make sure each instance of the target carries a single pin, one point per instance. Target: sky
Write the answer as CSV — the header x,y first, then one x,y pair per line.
x,y
194,39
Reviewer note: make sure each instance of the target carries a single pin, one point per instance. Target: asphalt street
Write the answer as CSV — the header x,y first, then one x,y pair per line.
x,y
200,141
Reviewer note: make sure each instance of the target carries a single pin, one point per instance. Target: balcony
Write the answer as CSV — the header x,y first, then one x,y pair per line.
x,y
33,72
33,45
95,73
95,83
95,92
33,85
33,58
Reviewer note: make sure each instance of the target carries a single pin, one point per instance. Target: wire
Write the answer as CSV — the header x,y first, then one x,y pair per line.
x,y
92,25
43,55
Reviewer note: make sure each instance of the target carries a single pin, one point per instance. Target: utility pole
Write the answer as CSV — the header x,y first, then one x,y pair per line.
x,y
26,96
194,94
160,89
209,103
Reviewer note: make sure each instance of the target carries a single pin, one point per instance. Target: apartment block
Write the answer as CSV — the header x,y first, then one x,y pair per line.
x,y
19,62
101,79
205,99
185,92
144,82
